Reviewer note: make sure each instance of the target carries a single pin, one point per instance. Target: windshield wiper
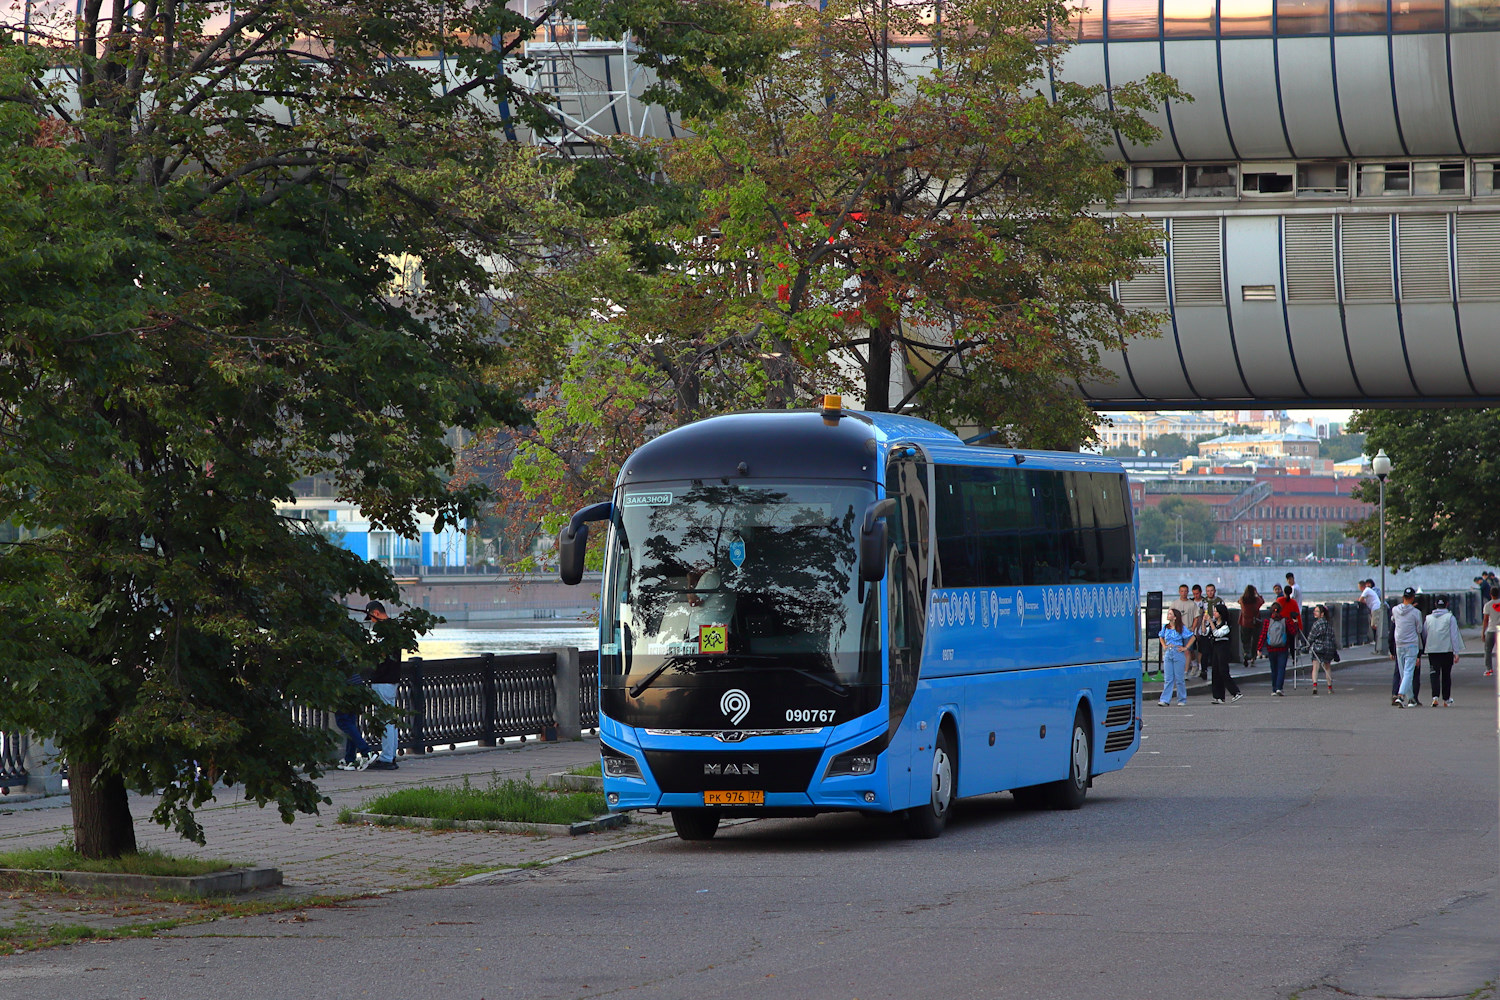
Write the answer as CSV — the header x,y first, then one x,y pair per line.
x,y
649,679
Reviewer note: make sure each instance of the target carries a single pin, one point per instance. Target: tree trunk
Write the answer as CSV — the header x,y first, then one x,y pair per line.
x,y
878,371
102,824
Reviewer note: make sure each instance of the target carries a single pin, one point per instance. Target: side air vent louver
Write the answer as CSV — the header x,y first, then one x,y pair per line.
x,y
1120,689
1118,715
1148,289
1422,251
1120,739
1311,266
1478,238
1365,242
1197,262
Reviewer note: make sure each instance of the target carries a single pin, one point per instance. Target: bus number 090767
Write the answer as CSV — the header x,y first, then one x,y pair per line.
x,y
809,714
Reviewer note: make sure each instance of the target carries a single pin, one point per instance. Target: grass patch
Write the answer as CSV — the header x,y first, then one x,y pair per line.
x,y
64,859
589,770
508,801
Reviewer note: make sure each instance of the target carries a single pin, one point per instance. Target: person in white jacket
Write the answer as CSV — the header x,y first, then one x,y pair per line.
x,y
1443,646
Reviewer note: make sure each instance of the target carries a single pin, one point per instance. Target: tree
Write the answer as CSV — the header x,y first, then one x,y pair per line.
x,y
1438,495
1157,527
1341,447
860,222
243,245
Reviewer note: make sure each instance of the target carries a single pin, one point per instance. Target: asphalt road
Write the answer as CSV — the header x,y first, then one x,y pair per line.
x,y
1310,847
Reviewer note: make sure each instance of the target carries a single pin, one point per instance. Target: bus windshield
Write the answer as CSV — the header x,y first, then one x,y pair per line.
x,y
750,575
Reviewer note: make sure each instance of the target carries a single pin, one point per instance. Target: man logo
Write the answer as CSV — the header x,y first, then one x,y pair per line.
x,y
735,704
718,769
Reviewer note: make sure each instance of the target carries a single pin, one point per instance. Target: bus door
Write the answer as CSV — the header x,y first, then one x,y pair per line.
x,y
906,606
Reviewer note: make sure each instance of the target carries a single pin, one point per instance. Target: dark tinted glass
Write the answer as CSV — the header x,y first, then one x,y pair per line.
x,y
1023,527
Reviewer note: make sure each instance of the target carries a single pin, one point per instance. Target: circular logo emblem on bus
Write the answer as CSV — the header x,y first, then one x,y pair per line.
x,y
735,704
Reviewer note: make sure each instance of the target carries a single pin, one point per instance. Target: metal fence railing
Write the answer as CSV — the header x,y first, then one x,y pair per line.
x,y
13,747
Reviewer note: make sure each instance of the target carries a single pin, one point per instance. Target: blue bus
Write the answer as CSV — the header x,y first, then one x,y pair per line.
x,y
809,611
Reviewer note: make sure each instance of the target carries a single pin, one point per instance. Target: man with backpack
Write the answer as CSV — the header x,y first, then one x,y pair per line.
x,y
1276,641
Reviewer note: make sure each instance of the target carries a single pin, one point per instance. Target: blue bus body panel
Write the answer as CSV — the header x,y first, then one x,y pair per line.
x,y
982,629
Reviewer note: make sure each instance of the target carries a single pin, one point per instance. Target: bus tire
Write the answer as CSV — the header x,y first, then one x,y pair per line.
x,y
695,824
927,821
1070,792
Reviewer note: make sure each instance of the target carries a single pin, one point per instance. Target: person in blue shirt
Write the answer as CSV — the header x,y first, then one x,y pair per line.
x,y
1175,637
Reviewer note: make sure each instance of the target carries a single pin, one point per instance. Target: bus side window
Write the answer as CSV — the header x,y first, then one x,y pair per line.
x,y
906,582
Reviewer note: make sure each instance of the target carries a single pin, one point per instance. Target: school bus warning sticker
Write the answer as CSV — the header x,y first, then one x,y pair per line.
x,y
713,639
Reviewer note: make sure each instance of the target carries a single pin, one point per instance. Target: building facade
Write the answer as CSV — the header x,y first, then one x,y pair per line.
x,y
1328,202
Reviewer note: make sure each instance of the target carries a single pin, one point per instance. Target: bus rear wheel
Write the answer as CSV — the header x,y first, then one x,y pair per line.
x,y
695,824
927,822
1070,792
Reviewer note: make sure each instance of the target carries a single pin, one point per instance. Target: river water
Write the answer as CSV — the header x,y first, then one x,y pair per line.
x,y
446,642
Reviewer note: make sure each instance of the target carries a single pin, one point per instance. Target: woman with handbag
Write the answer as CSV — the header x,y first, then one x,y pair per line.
x,y
1325,648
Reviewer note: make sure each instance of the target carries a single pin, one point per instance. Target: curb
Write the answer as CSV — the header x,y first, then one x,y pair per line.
x,y
595,825
1197,686
224,883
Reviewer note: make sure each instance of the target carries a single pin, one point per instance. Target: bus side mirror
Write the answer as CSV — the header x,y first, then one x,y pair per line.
x,y
573,541
873,540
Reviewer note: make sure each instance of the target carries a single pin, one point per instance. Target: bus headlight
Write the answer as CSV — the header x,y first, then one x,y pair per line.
x,y
860,760
616,764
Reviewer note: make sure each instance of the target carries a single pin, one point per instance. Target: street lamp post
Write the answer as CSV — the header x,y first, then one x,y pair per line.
x,y
1181,548
1382,468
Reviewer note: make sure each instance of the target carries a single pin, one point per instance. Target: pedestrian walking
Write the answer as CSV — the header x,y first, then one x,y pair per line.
x,y
1443,646
383,682
1407,629
1250,605
1176,638
1275,642
1491,628
1371,600
1323,645
1221,637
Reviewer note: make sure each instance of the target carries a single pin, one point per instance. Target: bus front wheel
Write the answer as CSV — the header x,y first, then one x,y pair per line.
x,y
695,824
926,822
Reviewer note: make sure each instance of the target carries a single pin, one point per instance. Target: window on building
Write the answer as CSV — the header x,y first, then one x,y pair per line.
x,y
1438,178
1245,17
1188,18
1322,180
1085,21
1417,15
1354,17
1379,179
1302,17
1211,180
1133,19
1268,179
1475,15
1156,182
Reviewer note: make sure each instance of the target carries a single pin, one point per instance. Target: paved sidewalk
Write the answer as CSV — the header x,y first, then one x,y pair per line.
x,y
317,853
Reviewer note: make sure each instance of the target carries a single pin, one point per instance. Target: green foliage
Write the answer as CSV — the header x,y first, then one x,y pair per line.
x,y
859,222
1440,493
1341,447
503,801
66,858
1156,528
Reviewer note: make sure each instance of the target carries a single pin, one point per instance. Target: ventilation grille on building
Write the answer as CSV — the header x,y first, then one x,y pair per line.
x,y
1422,250
1148,290
1258,293
1478,239
1311,268
1366,250
1197,262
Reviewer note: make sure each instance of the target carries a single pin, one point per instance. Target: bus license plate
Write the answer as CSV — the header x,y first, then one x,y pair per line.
x,y
736,797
